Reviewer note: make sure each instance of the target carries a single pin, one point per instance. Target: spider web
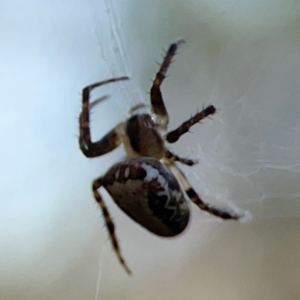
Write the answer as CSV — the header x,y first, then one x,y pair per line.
x,y
114,54
249,153
125,93
243,59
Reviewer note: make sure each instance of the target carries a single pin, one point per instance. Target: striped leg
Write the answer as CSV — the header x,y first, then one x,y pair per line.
x,y
109,223
173,157
109,141
174,135
157,101
214,210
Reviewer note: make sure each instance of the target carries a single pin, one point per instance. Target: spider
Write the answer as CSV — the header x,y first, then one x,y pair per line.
x,y
148,186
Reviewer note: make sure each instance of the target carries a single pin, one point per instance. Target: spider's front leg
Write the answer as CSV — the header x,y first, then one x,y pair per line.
x,y
214,210
111,140
157,101
174,135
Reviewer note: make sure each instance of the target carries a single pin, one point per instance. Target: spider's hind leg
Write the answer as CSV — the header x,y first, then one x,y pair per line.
x,y
173,157
108,222
214,210
157,102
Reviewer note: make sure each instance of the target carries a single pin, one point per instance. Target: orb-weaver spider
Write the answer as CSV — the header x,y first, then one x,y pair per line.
x,y
148,186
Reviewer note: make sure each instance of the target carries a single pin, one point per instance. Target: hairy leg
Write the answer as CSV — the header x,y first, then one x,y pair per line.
x,y
109,223
111,140
214,210
157,102
174,135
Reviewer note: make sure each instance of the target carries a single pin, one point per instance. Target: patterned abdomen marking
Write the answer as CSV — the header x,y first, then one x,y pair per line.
x,y
150,194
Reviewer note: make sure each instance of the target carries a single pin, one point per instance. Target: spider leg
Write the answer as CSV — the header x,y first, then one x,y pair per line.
x,y
173,157
136,107
157,102
111,140
174,135
109,223
214,210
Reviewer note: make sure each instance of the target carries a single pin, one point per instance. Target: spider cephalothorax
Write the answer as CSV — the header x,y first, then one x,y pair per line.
x,y
148,186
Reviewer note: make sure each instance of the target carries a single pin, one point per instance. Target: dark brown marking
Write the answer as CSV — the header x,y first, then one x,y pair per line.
x,y
136,172
133,132
173,217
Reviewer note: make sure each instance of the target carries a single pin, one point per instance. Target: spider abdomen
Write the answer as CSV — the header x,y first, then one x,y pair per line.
x,y
150,194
